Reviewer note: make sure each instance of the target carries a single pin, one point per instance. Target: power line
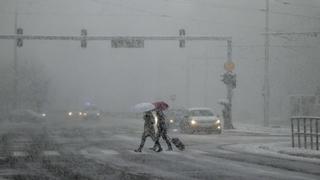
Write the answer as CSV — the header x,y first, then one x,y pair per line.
x,y
310,34
296,15
147,13
298,5
221,6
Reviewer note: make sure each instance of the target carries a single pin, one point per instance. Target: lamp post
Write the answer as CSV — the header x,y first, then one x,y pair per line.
x,y
266,87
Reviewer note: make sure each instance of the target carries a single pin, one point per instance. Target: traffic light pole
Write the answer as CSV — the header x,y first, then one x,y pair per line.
x,y
126,42
229,79
15,97
228,123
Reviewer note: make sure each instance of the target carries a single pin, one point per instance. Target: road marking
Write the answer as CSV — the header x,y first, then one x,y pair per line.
x,y
96,151
142,152
19,154
51,153
124,137
171,152
195,151
109,152
24,154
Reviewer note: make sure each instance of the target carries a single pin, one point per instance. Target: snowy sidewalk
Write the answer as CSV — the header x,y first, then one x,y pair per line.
x,y
276,149
255,129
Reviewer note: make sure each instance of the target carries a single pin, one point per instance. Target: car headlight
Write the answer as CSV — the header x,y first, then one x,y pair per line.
x,y
70,113
193,122
98,114
80,113
43,115
218,121
85,114
171,121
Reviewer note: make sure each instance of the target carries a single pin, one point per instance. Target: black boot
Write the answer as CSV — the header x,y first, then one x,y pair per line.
x,y
159,150
137,150
169,148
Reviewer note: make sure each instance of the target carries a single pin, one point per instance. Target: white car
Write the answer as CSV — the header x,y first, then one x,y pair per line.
x,y
200,119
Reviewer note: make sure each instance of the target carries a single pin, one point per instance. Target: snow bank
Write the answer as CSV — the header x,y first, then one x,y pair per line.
x,y
279,149
251,128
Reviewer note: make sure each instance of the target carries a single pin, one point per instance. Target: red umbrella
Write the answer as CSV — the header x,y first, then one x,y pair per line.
x,y
161,105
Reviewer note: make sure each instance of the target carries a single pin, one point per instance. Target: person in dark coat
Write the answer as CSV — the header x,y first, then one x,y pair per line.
x,y
149,130
162,132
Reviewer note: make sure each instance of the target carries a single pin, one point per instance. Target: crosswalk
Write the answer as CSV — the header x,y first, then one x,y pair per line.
x,y
46,153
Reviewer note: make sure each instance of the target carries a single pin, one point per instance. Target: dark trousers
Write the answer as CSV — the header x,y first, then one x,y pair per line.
x,y
162,133
144,137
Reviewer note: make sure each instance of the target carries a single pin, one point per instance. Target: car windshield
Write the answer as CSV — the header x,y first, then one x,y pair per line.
x,y
176,112
200,113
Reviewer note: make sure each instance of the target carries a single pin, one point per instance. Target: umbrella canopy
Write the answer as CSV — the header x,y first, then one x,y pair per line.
x,y
143,107
161,105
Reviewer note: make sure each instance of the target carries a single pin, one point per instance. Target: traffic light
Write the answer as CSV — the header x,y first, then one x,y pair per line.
x,y
19,40
84,38
229,79
182,41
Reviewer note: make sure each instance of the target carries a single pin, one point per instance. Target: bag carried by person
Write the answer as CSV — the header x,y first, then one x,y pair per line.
x,y
178,143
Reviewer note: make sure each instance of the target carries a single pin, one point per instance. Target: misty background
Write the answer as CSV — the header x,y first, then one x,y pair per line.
x,y
117,78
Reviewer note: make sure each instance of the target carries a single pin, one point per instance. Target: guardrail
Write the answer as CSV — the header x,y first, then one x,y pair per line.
x,y
305,128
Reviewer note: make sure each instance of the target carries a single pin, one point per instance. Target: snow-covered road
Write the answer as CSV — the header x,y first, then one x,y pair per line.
x,y
104,150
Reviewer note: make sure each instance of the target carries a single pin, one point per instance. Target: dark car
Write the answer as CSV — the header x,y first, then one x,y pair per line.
x,y
91,113
73,115
174,116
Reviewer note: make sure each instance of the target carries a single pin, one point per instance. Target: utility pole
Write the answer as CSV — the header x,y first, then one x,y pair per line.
x,y
206,77
188,64
15,63
266,88
229,78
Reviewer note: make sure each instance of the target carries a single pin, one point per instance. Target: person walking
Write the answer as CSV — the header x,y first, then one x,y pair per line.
x,y
149,130
162,132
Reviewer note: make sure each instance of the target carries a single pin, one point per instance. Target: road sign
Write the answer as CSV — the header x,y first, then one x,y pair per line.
x,y
182,42
19,40
127,43
229,66
84,34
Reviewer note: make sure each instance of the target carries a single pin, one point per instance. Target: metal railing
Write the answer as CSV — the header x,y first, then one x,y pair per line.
x,y
306,129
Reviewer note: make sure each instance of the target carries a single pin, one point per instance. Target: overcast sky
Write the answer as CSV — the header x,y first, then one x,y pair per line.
x,y
115,79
